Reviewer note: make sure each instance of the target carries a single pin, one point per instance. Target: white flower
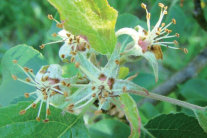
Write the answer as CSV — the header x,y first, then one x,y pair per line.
x,y
104,84
147,43
48,84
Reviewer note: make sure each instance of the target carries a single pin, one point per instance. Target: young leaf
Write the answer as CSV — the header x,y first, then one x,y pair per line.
x,y
26,56
202,118
94,19
60,125
175,125
132,114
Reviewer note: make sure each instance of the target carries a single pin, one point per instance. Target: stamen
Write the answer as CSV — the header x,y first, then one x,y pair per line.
x,y
59,25
143,6
173,21
14,77
161,5
22,112
54,35
185,50
117,62
50,17
124,89
26,95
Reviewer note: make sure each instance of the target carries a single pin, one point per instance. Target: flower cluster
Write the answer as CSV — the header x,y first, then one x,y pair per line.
x,y
103,84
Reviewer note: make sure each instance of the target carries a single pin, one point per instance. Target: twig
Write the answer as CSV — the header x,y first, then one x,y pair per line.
x,y
199,14
194,67
168,99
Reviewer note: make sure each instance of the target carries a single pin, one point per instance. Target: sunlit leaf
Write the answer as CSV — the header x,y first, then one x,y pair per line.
x,y
94,19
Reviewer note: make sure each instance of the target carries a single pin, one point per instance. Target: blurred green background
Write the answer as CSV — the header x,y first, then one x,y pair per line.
x,y
26,22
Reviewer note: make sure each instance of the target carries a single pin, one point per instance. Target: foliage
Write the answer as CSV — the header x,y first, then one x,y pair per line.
x,y
98,20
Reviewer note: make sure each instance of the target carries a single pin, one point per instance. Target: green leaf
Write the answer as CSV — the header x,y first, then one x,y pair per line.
x,y
202,118
123,72
195,91
109,128
175,125
94,19
60,125
132,114
26,56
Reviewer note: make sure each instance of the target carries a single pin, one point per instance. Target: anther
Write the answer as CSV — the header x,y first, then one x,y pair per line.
x,y
144,6
70,41
175,42
30,70
34,105
117,62
59,25
48,111
14,77
169,31
26,95
15,61
77,64
26,69
177,35
159,29
38,119
28,79
165,12
42,46
63,83
22,112
46,120
68,35
158,33
161,5
50,16
70,106
93,88
54,35
68,85
124,89
185,50
94,95
173,21
163,24
62,56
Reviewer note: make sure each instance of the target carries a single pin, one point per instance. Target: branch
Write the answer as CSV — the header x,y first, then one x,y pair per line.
x,y
168,99
191,70
199,14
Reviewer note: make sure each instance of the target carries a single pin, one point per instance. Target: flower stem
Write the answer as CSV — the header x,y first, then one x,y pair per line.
x,y
167,99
